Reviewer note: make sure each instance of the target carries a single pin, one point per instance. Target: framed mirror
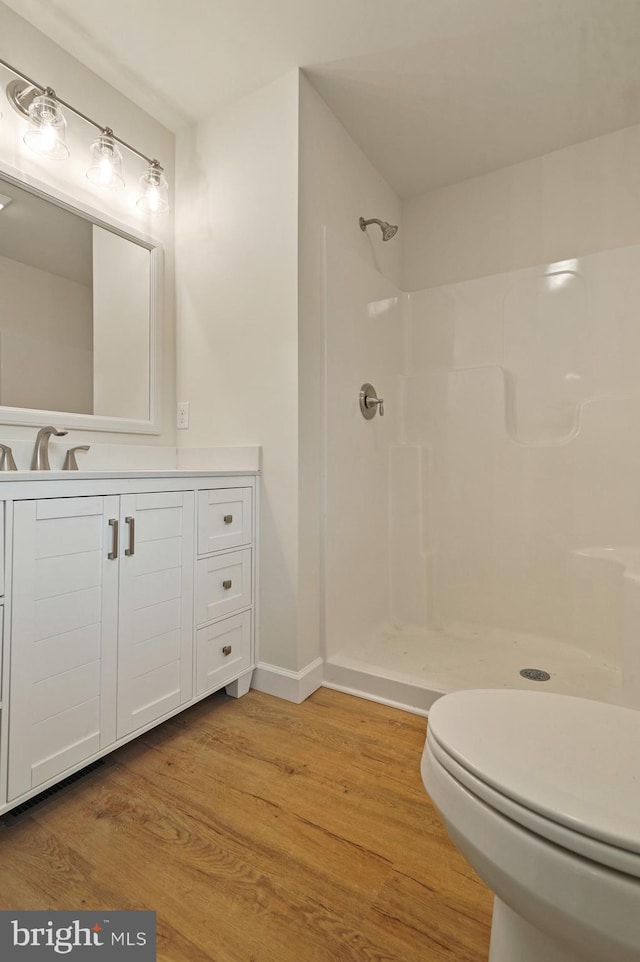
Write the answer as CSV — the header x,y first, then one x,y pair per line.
x,y
79,315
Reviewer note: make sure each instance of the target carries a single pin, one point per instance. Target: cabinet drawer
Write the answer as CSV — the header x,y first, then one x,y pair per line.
x,y
223,651
224,519
223,585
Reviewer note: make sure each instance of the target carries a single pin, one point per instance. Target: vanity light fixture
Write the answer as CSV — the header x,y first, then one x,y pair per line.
x,y
42,107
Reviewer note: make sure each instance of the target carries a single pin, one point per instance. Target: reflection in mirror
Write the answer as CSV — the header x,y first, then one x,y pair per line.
x,y
75,318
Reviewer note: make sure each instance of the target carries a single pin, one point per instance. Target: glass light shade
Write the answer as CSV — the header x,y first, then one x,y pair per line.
x,y
154,191
105,169
47,128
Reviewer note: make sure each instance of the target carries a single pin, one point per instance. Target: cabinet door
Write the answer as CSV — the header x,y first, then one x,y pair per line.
x,y
155,646
63,661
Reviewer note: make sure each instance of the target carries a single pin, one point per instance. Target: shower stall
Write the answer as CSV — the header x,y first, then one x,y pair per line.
x,y
487,523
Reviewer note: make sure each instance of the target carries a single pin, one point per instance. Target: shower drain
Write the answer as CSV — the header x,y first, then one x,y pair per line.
x,y
535,674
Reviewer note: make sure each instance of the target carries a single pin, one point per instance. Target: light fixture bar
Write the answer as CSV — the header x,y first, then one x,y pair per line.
x,y
103,127
22,75
74,110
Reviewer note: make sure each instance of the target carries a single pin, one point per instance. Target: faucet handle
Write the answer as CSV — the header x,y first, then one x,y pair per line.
x,y
70,463
7,460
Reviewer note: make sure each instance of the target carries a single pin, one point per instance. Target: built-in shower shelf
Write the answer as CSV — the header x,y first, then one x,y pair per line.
x,y
607,564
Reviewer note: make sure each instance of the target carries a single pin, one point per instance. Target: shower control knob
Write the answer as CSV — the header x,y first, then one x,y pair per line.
x,y
370,402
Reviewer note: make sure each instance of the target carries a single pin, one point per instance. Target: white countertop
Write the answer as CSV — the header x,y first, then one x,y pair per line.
x,y
137,461
100,475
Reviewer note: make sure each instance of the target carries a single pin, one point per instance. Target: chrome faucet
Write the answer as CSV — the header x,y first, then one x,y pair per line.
x,y
40,460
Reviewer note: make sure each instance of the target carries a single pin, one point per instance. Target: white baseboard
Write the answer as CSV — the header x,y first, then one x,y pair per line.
x,y
293,686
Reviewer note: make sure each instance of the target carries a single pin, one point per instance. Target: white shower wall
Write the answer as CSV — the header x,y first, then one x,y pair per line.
x,y
364,342
531,429
498,497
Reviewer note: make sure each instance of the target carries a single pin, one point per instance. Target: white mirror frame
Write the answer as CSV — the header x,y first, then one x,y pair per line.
x,y
92,422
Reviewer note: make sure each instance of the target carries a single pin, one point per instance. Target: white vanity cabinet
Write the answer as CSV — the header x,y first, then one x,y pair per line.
x,y
224,586
105,588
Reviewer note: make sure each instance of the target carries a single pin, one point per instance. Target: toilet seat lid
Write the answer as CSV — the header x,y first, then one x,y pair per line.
x,y
573,761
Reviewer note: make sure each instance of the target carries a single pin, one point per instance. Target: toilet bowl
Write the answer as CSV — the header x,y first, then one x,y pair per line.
x,y
541,794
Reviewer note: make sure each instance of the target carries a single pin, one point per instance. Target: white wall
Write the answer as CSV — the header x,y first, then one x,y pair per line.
x,y
236,233
568,203
338,185
32,52
364,342
249,239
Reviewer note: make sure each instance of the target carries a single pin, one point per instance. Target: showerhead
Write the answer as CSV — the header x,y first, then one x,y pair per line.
x,y
388,230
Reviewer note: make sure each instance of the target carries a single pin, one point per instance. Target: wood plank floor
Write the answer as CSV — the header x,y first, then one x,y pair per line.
x,y
260,831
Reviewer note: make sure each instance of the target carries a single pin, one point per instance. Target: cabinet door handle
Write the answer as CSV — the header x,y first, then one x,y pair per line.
x,y
132,536
228,518
113,524
226,650
227,584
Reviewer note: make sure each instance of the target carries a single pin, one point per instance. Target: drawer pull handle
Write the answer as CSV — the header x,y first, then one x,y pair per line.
x,y
226,650
228,518
113,554
226,584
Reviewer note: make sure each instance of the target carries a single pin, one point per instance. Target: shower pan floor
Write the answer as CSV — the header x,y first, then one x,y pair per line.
x,y
410,667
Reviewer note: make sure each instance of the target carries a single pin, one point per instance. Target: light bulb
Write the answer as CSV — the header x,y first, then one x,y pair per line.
x,y
154,190
154,200
105,169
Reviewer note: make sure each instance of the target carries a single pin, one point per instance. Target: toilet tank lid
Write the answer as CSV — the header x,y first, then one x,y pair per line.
x,y
574,761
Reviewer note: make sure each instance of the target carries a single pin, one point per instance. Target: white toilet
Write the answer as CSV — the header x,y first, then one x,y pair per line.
x,y
541,794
